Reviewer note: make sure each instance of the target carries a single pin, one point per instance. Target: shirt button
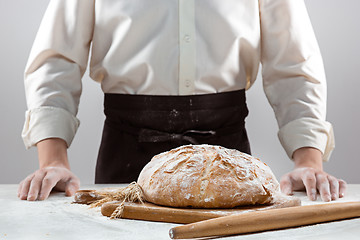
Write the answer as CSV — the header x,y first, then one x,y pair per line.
x,y
187,83
187,38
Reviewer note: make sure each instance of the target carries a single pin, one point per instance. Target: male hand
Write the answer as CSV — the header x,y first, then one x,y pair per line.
x,y
308,175
54,172
312,180
38,185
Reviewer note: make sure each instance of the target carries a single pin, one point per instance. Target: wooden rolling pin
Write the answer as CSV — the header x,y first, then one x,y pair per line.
x,y
267,220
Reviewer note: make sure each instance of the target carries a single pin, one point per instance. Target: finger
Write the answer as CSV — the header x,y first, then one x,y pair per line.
x,y
48,183
334,187
25,187
323,187
35,185
19,189
309,181
342,188
72,186
286,185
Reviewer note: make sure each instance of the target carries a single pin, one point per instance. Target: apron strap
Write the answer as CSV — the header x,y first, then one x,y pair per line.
x,y
151,135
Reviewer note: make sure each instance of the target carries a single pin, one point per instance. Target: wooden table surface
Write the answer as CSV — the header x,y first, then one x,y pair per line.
x,y
57,218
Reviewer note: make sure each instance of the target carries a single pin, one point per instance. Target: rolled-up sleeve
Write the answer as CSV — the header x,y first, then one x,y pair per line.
x,y
57,62
293,76
49,122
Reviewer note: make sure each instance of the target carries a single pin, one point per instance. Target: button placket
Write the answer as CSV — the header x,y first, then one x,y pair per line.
x,y
187,48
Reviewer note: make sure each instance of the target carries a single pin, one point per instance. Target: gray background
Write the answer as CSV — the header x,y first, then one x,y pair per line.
x,y
336,24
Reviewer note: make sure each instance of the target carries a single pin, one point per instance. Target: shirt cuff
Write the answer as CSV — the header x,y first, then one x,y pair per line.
x,y
307,132
48,122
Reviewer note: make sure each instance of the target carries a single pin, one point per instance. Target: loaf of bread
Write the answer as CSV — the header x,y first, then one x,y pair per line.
x,y
206,176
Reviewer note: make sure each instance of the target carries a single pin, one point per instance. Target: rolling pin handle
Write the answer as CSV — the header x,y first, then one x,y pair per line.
x,y
171,233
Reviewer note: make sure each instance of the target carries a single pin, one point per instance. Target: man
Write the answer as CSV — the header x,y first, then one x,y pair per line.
x,y
173,73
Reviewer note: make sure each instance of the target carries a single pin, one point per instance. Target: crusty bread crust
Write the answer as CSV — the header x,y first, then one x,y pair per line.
x,y
206,176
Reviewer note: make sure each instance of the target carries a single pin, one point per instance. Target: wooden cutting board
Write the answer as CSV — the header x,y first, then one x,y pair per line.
x,y
151,212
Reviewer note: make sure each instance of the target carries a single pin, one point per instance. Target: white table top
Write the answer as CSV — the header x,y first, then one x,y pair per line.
x,y
57,218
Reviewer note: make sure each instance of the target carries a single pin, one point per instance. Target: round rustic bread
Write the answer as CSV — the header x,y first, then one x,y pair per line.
x,y
206,176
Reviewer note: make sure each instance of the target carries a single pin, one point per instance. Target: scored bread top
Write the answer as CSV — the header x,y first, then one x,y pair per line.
x,y
207,176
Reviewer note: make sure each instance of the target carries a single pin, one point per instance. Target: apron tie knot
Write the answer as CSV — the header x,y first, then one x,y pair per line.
x,y
149,135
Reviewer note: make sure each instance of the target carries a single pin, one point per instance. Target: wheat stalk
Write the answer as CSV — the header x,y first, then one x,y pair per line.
x,y
130,193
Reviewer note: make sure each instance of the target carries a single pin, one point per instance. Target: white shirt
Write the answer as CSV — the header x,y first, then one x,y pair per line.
x,y
178,47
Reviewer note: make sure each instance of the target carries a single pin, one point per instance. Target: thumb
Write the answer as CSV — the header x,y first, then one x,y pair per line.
x,y
71,187
286,185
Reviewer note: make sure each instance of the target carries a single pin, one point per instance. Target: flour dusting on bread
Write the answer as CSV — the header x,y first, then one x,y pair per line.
x,y
207,176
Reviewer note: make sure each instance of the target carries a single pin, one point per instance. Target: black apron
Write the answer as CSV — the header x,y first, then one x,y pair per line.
x,y
137,127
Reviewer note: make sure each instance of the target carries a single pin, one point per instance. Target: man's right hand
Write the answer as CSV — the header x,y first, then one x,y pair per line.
x,y
54,172
38,185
